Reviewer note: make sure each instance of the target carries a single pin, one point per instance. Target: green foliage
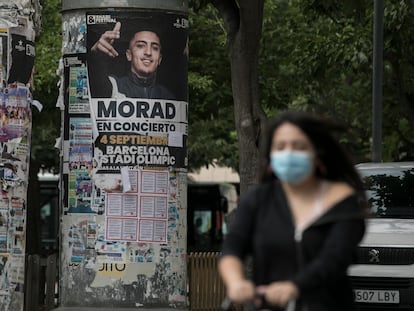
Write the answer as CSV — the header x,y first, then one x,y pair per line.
x,y
310,61
212,135
315,56
46,124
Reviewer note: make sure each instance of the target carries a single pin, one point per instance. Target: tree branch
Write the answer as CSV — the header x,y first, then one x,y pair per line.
x,y
229,10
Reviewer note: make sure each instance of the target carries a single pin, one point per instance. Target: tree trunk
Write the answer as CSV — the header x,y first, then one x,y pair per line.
x,y
243,23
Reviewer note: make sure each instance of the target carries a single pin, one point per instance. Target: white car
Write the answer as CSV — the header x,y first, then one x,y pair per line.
x,y
383,276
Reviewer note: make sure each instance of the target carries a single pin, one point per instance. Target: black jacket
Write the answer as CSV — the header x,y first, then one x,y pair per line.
x,y
263,227
134,87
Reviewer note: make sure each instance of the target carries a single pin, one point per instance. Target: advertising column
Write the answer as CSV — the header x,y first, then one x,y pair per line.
x,y
17,52
124,158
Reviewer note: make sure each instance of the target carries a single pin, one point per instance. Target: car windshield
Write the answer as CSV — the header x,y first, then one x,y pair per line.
x,y
390,191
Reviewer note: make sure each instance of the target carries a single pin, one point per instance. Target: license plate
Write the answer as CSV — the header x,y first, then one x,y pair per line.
x,y
377,296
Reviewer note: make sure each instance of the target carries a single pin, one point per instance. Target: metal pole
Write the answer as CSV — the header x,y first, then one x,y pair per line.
x,y
377,81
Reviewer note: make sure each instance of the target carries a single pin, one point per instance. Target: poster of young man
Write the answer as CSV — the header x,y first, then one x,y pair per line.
x,y
137,55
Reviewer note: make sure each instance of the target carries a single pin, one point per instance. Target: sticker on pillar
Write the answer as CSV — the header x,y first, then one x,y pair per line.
x,y
5,263
4,55
22,59
173,187
80,144
14,150
80,187
78,90
77,239
80,184
153,230
15,115
140,214
75,86
4,211
16,271
16,225
17,242
74,34
110,251
141,252
11,177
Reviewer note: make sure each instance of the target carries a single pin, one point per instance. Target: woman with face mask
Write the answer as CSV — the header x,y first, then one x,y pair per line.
x,y
301,224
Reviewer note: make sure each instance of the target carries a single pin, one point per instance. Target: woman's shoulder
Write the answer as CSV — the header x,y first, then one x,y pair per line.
x,y
262,191
342,201
262,188
340,188
336,192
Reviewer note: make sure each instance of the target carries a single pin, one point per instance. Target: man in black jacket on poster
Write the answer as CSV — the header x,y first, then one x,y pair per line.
x,y
143,54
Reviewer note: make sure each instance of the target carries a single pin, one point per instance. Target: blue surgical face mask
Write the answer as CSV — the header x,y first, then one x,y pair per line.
x,y
292,166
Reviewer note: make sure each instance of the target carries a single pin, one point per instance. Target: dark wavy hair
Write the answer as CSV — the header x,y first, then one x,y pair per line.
x,y
337,164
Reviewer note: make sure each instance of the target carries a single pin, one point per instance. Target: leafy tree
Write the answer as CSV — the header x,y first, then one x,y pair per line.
x,y
46,124
315,56
212,136
321,64
242,21
272,56
347,51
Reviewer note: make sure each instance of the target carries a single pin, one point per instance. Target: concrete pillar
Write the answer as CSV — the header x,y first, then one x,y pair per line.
x,y
19,21
124,104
